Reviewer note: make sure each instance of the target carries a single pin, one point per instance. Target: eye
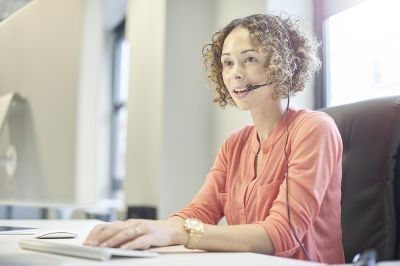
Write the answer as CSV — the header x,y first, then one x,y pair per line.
x,y
250,59
227,63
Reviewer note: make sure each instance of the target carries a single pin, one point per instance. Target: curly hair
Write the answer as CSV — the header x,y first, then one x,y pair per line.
x,y
291,55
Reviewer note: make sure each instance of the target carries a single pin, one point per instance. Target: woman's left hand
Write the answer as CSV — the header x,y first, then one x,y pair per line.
x,y
138,234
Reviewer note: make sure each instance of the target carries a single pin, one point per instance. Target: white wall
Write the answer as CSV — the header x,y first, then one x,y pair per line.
x,y
146,34
229,119
303,9
94,111
169,105
186,138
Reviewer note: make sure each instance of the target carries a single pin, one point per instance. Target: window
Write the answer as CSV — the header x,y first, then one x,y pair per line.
x,y
362,52
119,113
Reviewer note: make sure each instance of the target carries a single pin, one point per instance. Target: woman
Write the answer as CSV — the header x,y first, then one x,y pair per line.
x,y
278,181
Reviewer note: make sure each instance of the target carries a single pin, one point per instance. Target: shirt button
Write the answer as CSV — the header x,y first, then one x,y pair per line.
x,y
242,216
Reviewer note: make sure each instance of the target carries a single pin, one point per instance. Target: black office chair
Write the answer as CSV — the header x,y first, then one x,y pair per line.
x,y
371,176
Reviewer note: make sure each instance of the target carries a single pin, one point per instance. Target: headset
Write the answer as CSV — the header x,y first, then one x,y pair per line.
x,y
294,68
250,87
287,179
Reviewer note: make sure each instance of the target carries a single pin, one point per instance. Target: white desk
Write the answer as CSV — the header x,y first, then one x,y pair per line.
x,y
12,255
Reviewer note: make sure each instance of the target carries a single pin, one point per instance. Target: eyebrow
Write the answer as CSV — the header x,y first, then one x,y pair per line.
x,y
242,52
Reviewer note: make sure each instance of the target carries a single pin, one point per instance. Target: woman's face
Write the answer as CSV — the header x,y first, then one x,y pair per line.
x,y
243,64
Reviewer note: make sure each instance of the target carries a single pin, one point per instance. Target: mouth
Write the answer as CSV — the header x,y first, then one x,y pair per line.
x,y
239,91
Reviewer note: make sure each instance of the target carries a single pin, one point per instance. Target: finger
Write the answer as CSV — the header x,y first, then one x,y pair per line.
x,y
123,236
111,230
102,233
142,242
91,238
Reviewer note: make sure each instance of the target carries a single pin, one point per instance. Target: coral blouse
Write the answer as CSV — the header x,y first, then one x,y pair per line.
x,y
232,189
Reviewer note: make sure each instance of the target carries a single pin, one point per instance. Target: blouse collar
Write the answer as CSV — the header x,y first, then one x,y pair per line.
x,y
277,133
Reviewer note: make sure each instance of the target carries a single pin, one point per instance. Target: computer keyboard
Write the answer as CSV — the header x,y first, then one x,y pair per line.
x,y
79,250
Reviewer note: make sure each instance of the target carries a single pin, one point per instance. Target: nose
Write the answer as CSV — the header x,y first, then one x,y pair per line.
x,y
237,71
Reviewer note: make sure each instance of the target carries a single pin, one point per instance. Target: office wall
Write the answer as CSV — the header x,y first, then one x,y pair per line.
x,y
174,128
228,119
145,31
169,105
303,9
186,104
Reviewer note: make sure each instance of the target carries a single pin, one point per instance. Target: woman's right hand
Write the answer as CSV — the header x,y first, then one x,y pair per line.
x,y
138,234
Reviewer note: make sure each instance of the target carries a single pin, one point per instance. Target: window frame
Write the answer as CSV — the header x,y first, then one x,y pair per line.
x,y
323,9
116,107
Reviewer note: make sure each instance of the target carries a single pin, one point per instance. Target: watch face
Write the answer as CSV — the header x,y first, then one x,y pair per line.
x,y
193,224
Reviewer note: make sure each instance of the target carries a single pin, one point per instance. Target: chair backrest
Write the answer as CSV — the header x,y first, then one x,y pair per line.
x,y
370,132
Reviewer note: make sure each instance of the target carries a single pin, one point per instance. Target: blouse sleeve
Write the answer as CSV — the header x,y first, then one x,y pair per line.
x,y
315,151
207,205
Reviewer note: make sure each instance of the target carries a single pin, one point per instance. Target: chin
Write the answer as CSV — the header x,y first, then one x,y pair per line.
x,y
243,106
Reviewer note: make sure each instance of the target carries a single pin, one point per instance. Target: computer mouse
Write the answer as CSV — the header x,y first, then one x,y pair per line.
x,y
54,235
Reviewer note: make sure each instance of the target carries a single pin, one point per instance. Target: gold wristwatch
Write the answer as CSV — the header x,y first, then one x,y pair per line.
x,y
195,230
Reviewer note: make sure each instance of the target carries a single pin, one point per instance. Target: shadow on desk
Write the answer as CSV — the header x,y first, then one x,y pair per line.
x,y
175,250
30,259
